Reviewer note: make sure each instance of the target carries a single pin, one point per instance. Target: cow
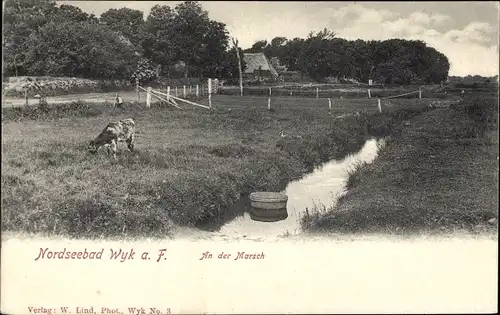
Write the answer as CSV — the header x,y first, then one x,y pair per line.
x,y
120,131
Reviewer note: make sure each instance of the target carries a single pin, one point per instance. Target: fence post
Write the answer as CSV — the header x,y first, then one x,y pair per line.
x,y
419,93
190,90
369,94
210,93
270,92
176,94
26,97
184,91
291,91
148,98
379,105
269,103
317,92
329,106
168,93
137,90
197,90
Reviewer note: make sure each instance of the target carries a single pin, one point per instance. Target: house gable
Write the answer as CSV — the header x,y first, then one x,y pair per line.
x,y
256,61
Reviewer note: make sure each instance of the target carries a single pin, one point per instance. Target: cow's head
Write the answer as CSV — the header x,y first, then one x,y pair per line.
x,y
92,148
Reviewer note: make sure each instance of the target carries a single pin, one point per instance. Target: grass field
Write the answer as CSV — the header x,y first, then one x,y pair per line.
x,y
440,174
357,91
189,165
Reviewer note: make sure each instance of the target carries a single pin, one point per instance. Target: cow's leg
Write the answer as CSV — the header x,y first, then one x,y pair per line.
x,y
130,143
112,148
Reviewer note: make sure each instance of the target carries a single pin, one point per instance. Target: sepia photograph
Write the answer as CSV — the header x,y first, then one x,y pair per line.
x,y
343,153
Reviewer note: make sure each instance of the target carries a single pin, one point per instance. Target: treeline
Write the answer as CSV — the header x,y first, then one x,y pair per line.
x,y
44,39
473,79
394,61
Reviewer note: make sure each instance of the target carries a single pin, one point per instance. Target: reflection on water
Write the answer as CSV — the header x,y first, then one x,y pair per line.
x,y
321,187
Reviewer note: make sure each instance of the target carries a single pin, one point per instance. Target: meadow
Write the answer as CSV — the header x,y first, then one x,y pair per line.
x,y
439,175
189,165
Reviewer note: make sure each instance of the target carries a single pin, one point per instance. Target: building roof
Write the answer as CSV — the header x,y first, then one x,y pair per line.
x,y
255,60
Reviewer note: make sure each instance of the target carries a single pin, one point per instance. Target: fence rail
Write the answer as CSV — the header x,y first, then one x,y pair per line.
x,y
172,99
322,92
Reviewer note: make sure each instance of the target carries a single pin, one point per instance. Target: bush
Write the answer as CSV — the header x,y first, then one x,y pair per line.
x,y
45,111
145,71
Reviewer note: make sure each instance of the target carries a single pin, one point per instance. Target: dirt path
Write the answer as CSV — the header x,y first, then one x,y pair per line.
x,y
127,96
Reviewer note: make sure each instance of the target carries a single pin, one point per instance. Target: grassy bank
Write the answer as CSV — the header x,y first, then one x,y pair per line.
x,y
188,166
439,175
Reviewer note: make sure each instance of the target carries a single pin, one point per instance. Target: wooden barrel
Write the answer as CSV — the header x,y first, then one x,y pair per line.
x,y
268,206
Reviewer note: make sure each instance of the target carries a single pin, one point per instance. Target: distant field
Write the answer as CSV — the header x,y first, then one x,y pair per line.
x,y
359,90
288,91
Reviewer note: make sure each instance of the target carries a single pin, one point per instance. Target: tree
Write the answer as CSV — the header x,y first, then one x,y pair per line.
x,y
215,44
440,68
257,47
78,49
229,66
70,13
190,27
159,42
337,58
322,55
323,34
22,18
185,34
127,21
276,48
292,54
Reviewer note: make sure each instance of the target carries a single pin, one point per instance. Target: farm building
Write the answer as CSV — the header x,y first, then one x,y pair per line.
x,y
258,66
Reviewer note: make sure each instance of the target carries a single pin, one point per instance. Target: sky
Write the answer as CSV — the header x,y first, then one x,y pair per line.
x,y
466,32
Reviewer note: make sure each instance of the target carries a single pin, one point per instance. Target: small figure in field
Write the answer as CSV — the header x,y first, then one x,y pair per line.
x,y
118,101
121,131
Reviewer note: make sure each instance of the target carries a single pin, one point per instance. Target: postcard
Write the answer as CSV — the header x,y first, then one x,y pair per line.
x,y
249,157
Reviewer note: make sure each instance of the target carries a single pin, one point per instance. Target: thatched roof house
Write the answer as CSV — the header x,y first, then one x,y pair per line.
x,y
258,65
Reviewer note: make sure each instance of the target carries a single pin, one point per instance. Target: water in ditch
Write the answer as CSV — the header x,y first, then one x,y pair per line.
x,y
319,188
